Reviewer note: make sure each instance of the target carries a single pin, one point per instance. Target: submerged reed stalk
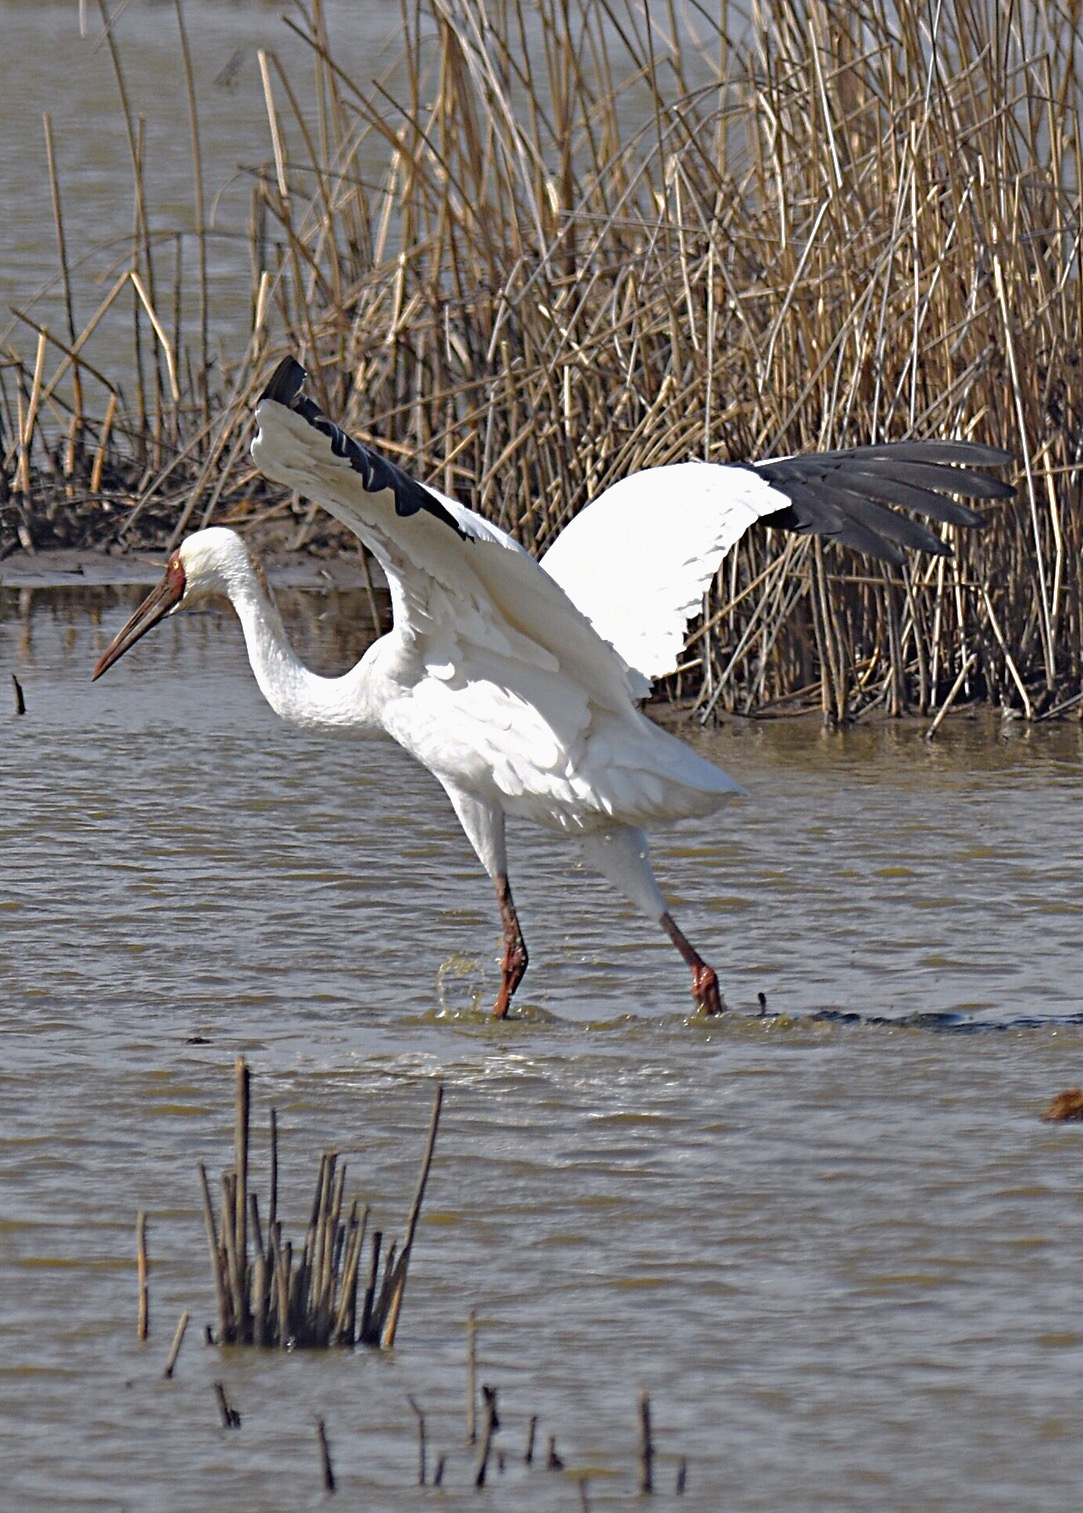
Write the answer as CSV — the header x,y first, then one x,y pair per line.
x,y
471,1378
645,1456
269,1294
231,1419
143,1322
421,1440
178,1341
326,1469
490,1423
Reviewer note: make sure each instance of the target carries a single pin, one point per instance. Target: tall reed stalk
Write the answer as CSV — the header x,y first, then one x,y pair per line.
x,y
562,241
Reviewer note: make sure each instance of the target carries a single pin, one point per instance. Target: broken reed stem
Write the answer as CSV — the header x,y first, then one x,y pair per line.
x,y
242,1093
236,1266
143,1324
490,1423
272,1207
950,700
199,227
74,434
217,1259
20,702
365,1334
268,1295
646,1445
178,1341
231,1419
411,1222
30,420
421,1468
471,1378
325,1456
103,444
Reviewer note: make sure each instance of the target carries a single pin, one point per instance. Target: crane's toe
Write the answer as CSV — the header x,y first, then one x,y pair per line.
x,y
513,969
705,989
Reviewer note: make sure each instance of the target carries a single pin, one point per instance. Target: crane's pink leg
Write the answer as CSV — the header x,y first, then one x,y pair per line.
x,y
515,958
704,982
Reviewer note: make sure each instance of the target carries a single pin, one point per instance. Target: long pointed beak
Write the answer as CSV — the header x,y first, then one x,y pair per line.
x,y
154,607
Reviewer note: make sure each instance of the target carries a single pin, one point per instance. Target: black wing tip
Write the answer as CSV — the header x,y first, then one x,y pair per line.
x,y
847,523
973,521
286,383
1000,487
945,449
377,472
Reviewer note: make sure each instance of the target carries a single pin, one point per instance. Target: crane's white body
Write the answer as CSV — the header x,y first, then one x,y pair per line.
x,y
518,684
491,676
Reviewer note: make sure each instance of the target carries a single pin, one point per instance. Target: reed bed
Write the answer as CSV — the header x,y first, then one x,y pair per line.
x,y
563,241
323,1293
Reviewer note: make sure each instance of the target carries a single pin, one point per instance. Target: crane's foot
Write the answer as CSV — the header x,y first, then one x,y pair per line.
x,y
705,989
514,963
513,968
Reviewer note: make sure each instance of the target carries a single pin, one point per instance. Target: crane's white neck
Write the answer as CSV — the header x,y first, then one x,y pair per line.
x,y
223,565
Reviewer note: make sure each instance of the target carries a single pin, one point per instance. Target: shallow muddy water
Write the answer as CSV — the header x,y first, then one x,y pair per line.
x,y
836,1244
51,69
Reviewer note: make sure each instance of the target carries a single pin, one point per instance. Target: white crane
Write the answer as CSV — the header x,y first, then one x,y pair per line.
x,y
518,684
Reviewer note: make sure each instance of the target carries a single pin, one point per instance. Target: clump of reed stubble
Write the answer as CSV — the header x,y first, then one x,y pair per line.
x,y
607,237
317,1296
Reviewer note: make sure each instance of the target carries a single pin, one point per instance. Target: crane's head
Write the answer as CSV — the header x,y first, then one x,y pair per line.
x,y
209,563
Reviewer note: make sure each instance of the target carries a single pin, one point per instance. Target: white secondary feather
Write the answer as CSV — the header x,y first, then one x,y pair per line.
x,y
638,560
487,588
495,680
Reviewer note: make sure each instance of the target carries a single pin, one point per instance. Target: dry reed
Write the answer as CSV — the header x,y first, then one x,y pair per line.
x,y
268,1292
178,1341
606,236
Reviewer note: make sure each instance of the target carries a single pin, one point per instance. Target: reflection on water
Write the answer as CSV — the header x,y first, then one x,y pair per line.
x,y
841,1253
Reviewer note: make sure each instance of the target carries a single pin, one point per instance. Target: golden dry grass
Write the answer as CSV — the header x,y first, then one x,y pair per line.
x,y
608,236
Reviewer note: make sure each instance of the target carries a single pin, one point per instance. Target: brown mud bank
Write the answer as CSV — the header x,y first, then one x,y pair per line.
x,y
70,502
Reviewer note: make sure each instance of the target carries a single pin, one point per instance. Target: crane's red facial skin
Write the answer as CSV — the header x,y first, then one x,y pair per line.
x,y
155,607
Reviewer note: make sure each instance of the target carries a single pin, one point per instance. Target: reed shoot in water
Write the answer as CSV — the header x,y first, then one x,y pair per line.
x,y
270,1294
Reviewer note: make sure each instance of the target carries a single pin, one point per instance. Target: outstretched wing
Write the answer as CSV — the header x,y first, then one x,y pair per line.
x,y
638,560
459,585
852,497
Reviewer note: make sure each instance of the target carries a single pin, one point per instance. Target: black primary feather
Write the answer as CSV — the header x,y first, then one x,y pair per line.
x,y
376,472
852,496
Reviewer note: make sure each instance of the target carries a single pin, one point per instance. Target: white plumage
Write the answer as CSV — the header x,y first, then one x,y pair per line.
x,y
641,598
518,684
